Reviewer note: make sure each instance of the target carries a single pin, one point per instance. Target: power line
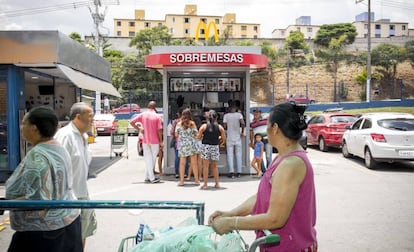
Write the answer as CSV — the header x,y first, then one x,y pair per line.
x,y
57,7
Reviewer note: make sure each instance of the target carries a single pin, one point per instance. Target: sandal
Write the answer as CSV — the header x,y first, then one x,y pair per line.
x,y
197,183
180,184
204,187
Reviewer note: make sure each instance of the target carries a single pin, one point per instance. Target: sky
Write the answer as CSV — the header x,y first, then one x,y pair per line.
x,y
69,16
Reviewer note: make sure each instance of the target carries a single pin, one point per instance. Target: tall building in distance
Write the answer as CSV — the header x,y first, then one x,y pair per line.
x,y
187,25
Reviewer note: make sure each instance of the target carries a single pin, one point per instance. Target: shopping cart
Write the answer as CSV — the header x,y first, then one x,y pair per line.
x,y
119,139
271,239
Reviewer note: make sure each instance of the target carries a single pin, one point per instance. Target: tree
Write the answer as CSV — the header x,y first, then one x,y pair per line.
x,y
147,38
409,48
76,36
328,32
333,55
388,56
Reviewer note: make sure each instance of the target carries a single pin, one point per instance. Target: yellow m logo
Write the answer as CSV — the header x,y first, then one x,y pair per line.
x,y
201,25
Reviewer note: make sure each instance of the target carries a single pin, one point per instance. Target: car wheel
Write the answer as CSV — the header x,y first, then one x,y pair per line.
x,y
322,145
370,163
345,151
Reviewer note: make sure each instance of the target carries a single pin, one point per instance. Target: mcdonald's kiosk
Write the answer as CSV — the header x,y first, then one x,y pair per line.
x,y
203,78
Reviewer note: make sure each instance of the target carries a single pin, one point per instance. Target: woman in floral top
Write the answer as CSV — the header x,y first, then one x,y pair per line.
x,y
186,131
43,174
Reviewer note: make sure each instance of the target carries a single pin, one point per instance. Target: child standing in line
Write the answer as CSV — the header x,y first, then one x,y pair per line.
x,y
258,153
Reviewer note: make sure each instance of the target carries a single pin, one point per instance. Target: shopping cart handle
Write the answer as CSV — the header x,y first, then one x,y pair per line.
x,y
269,239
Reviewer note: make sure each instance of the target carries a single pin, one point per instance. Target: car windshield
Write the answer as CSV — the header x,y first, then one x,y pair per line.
x,y
343,119
403,124
104,117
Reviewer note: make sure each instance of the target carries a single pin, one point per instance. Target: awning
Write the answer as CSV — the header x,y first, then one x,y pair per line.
x,y
88,82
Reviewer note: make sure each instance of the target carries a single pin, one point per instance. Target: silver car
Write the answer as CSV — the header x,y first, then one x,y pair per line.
x,y
380,137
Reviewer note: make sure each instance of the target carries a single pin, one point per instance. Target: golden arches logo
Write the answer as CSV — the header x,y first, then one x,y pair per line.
x,y
202,25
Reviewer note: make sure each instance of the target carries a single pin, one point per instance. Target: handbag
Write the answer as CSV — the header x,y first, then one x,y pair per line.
x,y
173,142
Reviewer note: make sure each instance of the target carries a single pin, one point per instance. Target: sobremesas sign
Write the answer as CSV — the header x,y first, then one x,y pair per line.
x,y
206,58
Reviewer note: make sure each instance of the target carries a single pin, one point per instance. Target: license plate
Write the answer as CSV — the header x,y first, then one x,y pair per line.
x,y
406,153
100,129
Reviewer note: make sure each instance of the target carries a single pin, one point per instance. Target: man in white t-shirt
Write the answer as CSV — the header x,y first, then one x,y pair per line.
x,y
234,124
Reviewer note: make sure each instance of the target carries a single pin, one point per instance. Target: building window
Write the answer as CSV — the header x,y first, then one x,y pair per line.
x,y
255,36
204,20
282,33
173,19
147,24
392,27
378,35
131,34
186,20
255,28
244,28
377,27
186,31
159,24
403,27
202,31
118,33
172,31
132,24
118,23
366,26
298,29
309,29
217,21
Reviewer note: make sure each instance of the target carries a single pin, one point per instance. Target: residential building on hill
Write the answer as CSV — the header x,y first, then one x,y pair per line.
x,y
303,24
382,28
188,25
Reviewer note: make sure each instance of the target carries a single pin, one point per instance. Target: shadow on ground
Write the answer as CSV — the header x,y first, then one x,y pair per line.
x,y
99,164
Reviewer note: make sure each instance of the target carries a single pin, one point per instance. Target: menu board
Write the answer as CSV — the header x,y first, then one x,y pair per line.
x,y
199,84
211,84
204,84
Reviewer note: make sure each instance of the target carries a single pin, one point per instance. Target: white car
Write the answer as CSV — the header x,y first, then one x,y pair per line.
x,y
380,137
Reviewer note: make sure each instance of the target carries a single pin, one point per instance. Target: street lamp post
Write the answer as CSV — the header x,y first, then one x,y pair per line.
x,y
368,90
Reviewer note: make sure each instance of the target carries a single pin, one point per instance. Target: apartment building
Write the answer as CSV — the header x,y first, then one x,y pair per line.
x,y
187,25
302,24
382,28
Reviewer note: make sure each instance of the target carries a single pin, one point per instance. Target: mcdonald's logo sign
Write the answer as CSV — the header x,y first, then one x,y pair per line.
x,y
201,25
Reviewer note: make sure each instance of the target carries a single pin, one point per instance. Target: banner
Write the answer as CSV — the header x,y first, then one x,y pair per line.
x,y
202,25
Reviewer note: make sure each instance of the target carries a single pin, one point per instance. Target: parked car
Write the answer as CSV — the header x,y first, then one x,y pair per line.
x,y
326,129
379,137
127,108
104,123
300,99
131,130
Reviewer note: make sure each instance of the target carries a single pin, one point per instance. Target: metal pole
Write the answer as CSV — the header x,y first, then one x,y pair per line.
x,y
97,20
369,54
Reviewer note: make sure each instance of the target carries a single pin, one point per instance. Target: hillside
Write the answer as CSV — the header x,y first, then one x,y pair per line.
x,y
318,84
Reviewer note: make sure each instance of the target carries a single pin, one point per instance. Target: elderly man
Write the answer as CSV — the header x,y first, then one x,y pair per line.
x,y
74,138
151,124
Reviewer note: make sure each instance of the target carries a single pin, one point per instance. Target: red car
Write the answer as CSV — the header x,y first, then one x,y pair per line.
x,y
104,124
300,99
326,129
127,108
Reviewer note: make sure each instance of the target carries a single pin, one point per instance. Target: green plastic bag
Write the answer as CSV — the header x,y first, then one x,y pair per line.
x,y
230,242
193,238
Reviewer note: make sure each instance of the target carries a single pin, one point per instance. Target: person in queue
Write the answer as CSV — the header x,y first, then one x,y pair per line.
x,y
74,138
175,144
285,202
43,174
259,125
151,123
211,134
186,131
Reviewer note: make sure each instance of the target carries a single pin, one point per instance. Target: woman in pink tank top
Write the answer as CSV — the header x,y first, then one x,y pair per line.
x,y
285,201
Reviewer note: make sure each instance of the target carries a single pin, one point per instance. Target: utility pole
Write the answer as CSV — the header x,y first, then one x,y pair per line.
x,y
368,90
98,20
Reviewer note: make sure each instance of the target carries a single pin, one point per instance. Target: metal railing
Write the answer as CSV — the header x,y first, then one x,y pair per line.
x,y
114,204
